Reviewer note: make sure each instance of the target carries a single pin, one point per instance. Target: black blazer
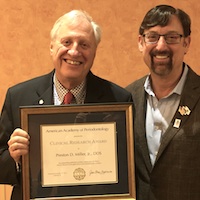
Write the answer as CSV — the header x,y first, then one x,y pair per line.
x,y
34,92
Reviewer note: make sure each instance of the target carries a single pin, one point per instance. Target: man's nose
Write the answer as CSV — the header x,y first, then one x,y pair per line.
x,y
161,42
73,50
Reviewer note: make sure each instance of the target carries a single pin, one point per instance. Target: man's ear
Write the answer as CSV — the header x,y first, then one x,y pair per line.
x,y
51,48
140,43
186,43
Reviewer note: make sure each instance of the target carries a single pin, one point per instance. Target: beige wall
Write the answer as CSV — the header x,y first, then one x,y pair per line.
x,y
24,40
5,192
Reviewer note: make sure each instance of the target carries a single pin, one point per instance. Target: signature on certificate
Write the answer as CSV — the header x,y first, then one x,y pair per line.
x,y
100,172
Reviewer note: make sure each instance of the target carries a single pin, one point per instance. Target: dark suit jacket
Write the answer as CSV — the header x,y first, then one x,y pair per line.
x,y
30,93
176,173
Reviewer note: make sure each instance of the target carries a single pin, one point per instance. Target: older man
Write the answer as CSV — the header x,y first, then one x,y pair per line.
x,y
74,40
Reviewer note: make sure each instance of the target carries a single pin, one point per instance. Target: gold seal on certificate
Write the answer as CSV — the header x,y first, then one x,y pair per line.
x,y
79,174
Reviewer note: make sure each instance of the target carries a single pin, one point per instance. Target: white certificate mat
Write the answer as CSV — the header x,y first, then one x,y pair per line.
x,y
78,154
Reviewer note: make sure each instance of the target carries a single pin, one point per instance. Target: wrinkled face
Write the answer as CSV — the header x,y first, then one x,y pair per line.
x,y
73,51
165,59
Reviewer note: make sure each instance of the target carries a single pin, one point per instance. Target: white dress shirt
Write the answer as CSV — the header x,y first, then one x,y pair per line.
x,y
160,113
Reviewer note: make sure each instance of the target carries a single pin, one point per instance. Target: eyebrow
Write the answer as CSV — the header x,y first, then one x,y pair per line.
x,y
169,32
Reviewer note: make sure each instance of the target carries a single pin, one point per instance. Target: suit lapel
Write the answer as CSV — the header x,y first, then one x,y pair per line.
x,y
95,93
141,137
44,91
189,98
45,98
139,96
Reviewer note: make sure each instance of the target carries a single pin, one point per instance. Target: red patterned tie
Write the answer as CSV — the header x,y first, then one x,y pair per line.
x,y
68,98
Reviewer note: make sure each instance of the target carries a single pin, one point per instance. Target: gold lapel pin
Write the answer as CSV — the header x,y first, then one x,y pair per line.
x,y
184,110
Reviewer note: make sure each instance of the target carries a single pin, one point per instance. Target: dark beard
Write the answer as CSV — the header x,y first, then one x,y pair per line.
x,y
164,67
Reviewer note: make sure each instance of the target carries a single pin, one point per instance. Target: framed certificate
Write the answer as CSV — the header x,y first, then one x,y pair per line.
x,y
79,152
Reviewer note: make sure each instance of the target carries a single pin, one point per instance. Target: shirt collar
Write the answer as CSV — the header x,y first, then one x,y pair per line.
x,y
178,89
79,91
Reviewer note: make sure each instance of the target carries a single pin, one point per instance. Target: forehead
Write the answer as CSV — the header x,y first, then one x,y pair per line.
x,y
76,27
174,25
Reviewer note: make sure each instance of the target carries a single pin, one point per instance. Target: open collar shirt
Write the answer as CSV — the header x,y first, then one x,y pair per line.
x,y
160,113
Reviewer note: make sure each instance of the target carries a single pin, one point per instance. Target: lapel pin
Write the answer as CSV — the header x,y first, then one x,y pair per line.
x,y
184,110
41,101
177,123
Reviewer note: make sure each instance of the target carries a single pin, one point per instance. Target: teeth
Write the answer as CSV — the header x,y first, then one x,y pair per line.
x,y
162,57
73,62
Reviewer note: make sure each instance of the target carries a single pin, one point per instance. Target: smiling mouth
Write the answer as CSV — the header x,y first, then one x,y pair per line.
x,y
72,62
161,56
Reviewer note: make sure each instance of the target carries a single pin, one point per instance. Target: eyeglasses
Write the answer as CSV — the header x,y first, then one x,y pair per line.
x,y
171,38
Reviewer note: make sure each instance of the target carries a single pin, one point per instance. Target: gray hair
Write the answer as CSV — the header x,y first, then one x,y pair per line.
x,y
76,14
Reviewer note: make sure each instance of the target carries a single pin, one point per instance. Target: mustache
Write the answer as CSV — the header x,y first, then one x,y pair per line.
x,y
160,53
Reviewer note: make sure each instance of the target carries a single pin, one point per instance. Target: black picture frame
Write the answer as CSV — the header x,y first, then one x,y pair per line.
x,y
121,113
